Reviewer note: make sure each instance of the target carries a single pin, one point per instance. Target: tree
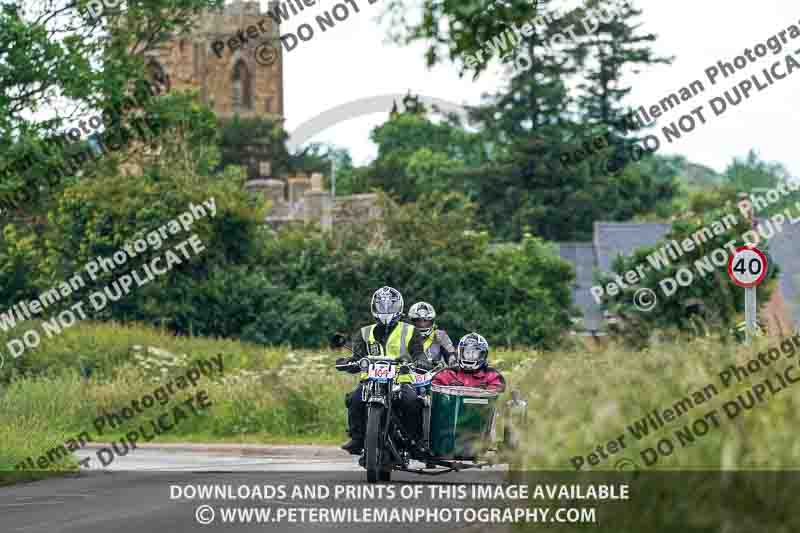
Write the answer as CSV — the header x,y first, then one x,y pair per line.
x,y
60,63
434,250
751,172
246,139
97,217
350,179
523,186
318,157
529,191
751,176
604,55
417,156
454,30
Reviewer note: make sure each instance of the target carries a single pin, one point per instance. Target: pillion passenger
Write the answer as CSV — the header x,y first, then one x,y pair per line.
x,y
436,343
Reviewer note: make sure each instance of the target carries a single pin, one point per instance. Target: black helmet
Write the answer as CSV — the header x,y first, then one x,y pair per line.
x,y
473,352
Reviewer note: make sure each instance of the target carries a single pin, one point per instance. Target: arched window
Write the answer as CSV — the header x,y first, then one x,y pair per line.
x,y
241,89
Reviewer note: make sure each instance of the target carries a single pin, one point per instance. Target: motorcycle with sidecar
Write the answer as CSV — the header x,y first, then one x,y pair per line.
x,y
459,423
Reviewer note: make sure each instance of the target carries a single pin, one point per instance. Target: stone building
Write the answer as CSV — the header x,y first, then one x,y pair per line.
x,y
248,80
302,198
230,80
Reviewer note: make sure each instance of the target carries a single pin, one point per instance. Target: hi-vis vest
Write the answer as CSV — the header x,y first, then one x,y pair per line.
x,y
426,345
396,345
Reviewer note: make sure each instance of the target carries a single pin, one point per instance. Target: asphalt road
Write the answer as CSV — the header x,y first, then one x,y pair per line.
x,y
140,493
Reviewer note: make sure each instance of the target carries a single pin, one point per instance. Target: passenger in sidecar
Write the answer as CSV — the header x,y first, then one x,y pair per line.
x,y
471,368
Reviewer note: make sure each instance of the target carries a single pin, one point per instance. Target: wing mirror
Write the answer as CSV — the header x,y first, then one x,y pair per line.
x,y
338,340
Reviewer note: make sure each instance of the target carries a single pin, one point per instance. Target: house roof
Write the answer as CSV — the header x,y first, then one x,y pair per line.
x,y
784,248
582,257
614,238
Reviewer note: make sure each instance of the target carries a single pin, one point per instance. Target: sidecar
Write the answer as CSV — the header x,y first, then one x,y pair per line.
x,y
460,423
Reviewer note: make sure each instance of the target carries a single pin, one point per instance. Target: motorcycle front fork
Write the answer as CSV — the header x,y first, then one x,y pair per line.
x,y
426,420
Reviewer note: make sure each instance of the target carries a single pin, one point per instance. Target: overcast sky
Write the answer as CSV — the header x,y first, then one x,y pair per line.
x,y
354,60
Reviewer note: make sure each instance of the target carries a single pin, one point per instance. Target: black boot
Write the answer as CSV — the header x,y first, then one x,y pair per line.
x,y
419,449
354,446
356,422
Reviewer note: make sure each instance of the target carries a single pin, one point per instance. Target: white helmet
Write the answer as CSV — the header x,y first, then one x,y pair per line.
x,y
387,305
473,352
422,311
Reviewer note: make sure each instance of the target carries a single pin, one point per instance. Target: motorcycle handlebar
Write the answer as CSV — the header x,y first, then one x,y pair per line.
x,y
350,365
346,365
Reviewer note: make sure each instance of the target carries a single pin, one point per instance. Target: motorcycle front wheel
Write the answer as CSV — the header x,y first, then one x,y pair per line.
x,y
373,445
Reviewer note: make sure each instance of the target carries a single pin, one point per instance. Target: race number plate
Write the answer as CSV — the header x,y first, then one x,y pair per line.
x,y
382,371
423,379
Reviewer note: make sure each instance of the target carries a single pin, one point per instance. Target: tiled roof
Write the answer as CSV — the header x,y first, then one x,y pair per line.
x,y
784,248
612,239
581,255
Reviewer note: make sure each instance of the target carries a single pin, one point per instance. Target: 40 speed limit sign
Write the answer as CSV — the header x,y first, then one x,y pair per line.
x,y
747,267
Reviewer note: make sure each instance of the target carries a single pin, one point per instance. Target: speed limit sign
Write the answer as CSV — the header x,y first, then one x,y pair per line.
x,y
747,267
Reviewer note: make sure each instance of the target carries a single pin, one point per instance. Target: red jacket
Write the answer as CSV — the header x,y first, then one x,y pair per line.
x,y
485,378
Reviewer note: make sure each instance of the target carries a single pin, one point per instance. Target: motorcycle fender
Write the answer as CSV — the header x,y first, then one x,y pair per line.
x,y
380,401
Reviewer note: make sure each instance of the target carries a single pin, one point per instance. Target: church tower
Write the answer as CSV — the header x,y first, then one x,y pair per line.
x,y
246,78
232,77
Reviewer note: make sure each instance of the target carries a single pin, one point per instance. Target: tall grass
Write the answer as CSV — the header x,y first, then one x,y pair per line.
x,y
577,400
580,401
264,395
105,347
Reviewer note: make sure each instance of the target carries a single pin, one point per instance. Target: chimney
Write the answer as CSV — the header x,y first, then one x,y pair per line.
x,y
298,185
317,204
316,182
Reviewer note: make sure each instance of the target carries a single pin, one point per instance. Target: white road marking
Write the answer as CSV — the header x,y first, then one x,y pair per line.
x,y
31,503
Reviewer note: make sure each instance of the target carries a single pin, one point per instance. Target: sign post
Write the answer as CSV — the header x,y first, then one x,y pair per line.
x,y
750,312
747,267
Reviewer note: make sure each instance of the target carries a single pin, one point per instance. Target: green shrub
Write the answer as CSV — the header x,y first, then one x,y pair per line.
x,y
297,285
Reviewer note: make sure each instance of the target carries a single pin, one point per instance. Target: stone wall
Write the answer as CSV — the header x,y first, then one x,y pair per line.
x,y
302,199
358,207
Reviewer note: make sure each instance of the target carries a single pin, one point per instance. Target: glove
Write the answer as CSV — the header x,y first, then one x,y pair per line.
x,y
423,364
343,364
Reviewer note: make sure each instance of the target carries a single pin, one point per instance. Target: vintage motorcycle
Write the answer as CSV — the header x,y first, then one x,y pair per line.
x,y
458,422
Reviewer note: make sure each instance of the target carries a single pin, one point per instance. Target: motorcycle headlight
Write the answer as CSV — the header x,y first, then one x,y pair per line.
x,y
364,364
